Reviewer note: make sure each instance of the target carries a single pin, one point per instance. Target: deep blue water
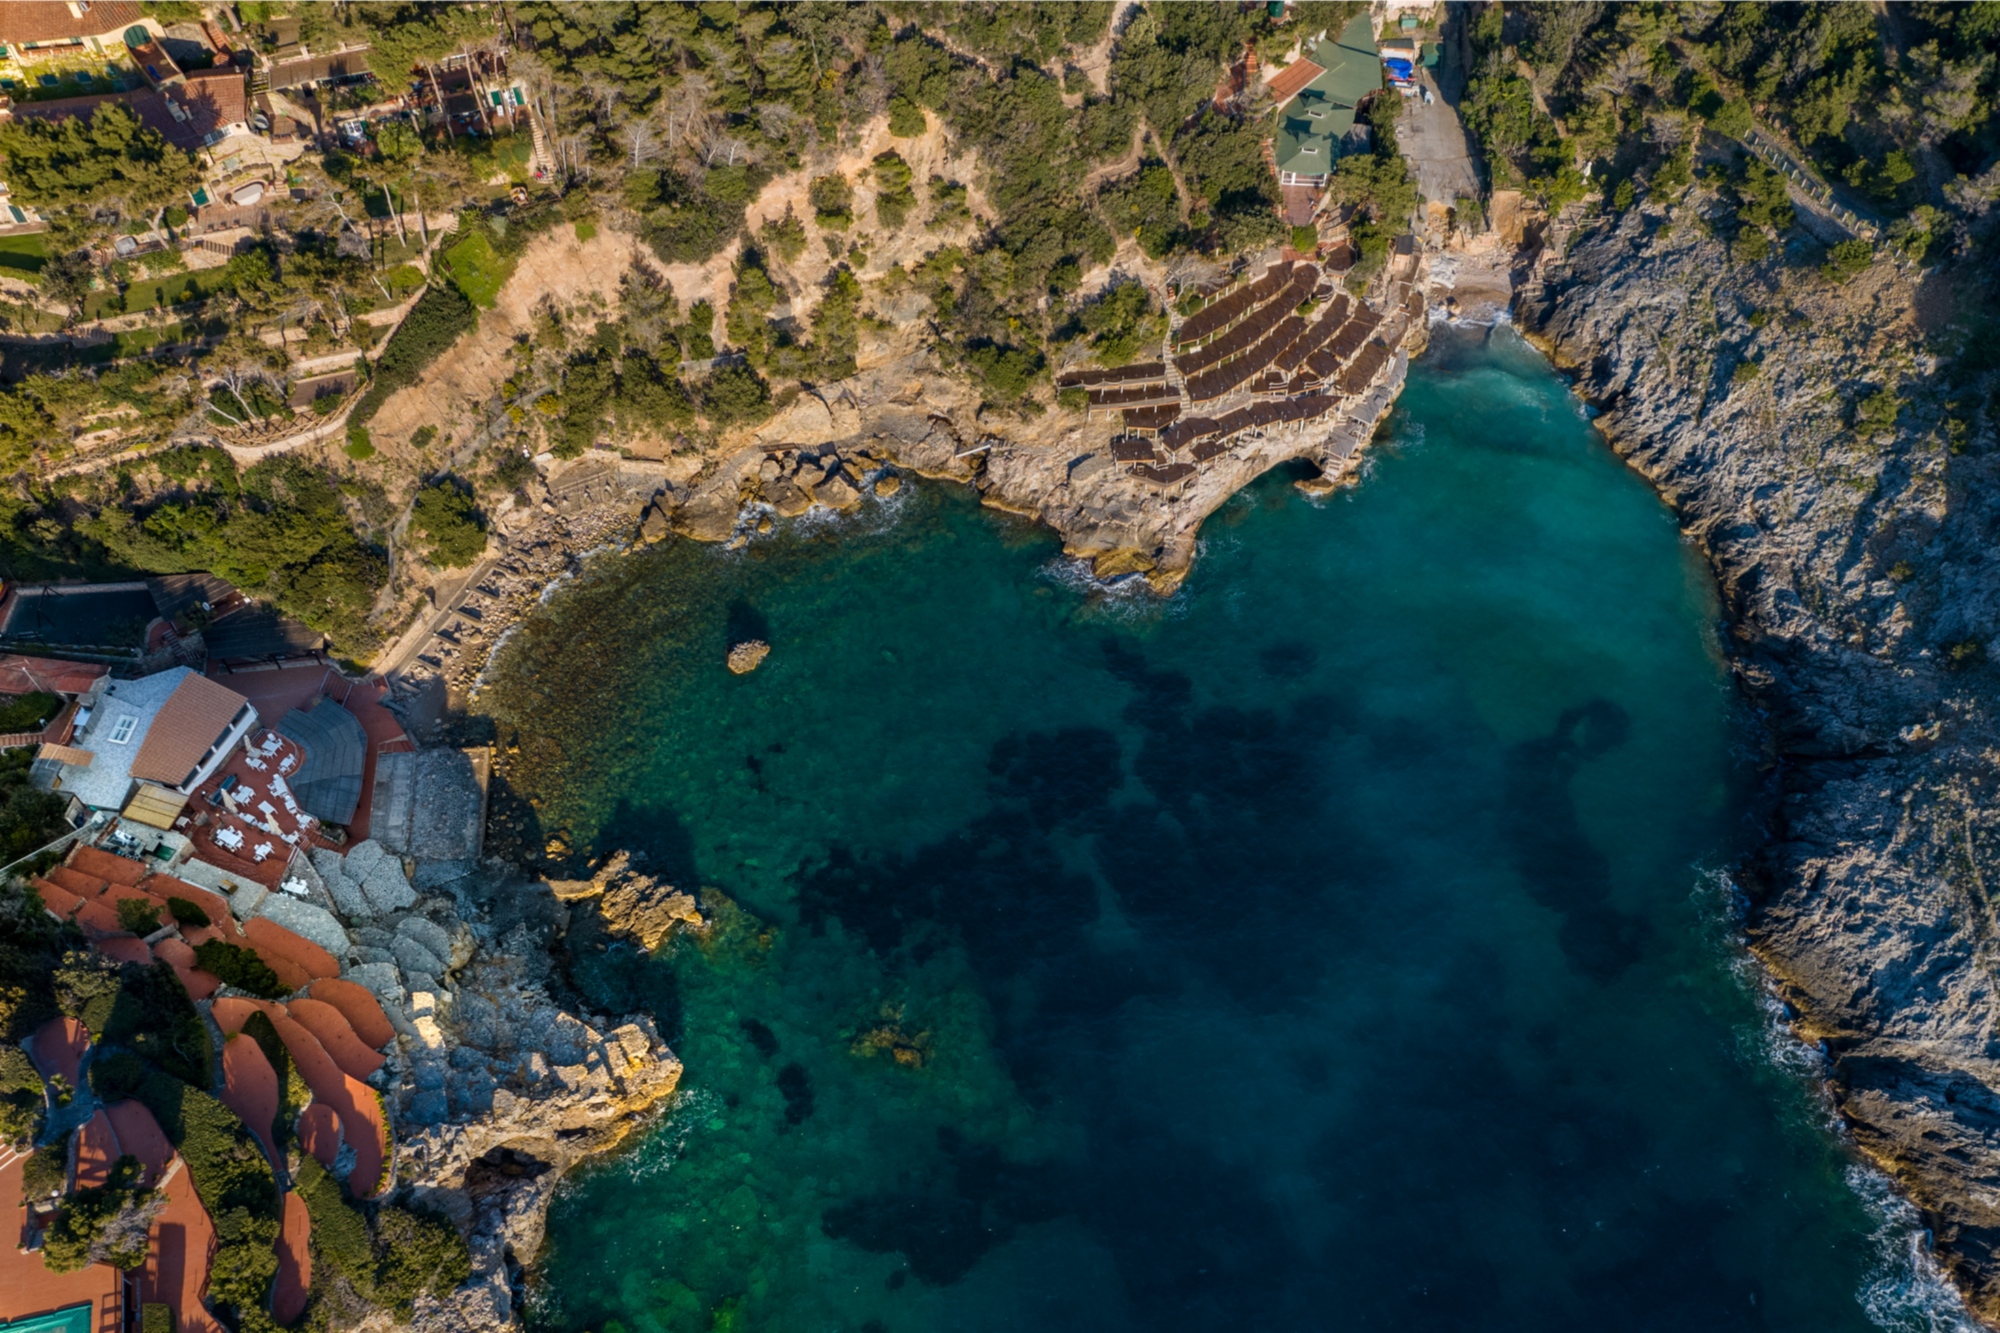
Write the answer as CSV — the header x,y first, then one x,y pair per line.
x,y
1340,943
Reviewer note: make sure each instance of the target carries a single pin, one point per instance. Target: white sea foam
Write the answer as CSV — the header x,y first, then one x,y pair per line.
x,y
1904,1291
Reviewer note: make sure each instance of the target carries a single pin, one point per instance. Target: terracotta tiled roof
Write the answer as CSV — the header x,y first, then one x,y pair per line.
x,y
225,91
1292,78
208,101
193,718
57,20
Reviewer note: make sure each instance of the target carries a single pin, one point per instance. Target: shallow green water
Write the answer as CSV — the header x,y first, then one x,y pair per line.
x,y
1338,944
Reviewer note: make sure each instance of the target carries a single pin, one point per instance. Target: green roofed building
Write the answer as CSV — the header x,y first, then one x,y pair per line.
x,y
1317,101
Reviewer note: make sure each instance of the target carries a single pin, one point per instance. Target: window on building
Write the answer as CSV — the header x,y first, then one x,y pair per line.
x,y
122,729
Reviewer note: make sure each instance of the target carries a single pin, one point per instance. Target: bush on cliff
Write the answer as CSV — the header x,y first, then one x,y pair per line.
x,y
405,1253
449,519
234,965
1847,260
433,324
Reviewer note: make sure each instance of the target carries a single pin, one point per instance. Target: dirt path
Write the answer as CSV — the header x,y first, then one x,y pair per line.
x,y
1096,62
1124,165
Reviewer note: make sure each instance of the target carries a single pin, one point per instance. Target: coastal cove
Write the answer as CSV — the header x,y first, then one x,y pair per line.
x,y
1347,932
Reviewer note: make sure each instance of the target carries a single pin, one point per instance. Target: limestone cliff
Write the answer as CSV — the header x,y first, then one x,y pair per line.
x,y
496,1083
1824,462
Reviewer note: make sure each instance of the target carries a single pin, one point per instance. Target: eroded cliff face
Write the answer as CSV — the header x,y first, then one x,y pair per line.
x,y
1855,557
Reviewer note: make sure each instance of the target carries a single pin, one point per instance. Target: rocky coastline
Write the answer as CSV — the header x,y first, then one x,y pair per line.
x,y
1851,547
486,1127
1846,558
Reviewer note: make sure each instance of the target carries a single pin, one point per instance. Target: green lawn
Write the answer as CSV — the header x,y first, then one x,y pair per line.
x,y
25,254
508,154
148,293
475,269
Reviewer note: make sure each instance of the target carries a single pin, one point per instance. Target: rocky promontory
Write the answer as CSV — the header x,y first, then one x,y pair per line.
x,y
1826,460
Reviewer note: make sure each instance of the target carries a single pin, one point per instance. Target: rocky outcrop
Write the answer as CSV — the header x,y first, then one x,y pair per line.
x,y
748,656
493,1088
632,904
1851,531
510,1092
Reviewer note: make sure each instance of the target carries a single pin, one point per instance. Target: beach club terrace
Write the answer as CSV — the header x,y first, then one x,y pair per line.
x,y
1282,351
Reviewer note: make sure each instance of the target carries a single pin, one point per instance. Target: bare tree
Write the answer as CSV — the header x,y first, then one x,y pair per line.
x,y
689,108
717,142
642,140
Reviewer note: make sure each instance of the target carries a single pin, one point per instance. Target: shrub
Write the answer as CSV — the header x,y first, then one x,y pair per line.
x,y
1623,196
1745,371
451,524
1847,260
20,1095
948,204
735,394
359,447
832,199
141,916
419,1251
1007,371
100,1224
258,1028
894,199
153,1016
687,223
83,976
156,1318
786,236
1750,247
236,966
1965,653
1876,414
1072,399
697,336
906,118
224,1162
1123,323
30,712
1305,238
245,1261
47,1169
116,1075
410,1251
339,1232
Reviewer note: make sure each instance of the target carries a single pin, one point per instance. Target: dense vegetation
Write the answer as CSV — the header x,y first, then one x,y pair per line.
x,y
448,519
1895,106
280,529
665,121
388,1258
29,817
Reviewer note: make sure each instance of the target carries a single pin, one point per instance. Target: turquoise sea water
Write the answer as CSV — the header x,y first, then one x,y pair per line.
x,y
1340,943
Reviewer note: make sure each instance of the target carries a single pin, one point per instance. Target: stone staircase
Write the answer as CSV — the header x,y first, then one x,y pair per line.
x,y
543,158
1807,184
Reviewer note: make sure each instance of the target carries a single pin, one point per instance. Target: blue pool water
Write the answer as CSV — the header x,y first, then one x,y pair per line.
x,y
1341,943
